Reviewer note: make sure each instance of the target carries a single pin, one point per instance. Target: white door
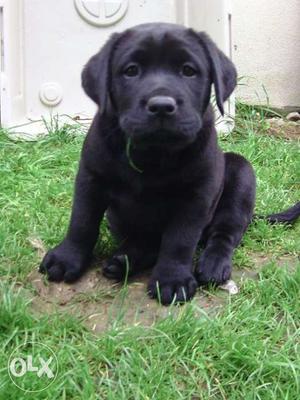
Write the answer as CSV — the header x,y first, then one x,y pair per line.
x,y
46,43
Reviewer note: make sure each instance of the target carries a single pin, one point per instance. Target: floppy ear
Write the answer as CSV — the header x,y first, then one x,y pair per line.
x,y
223,72
95,77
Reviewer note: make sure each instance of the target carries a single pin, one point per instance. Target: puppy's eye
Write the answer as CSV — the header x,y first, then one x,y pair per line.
x,y
131,70
188,70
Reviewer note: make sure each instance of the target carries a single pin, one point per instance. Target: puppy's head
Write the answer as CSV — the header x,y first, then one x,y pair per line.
x,y
157,78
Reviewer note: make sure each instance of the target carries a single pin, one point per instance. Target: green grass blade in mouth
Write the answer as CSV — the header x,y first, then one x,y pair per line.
x,y
131,163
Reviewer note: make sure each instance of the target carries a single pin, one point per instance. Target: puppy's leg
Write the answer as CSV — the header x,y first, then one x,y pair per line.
x,y
72,256
232,217
172,278
135,255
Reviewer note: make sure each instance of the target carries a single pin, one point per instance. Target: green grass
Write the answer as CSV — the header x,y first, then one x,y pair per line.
x,y
249,350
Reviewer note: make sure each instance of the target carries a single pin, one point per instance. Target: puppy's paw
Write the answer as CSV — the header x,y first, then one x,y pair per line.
x,y
64,263
213,269
176,286
116,267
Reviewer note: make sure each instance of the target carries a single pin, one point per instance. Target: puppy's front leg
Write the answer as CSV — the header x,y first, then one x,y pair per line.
x,y
72,256
172,277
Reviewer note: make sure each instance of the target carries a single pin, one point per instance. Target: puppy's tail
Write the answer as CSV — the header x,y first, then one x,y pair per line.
x,y
287,216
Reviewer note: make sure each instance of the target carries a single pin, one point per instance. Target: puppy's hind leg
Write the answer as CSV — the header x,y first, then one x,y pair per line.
x,y
132,257
232,217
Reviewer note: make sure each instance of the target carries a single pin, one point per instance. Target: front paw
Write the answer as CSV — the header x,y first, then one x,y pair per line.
x,y
213,268
169,285
64,263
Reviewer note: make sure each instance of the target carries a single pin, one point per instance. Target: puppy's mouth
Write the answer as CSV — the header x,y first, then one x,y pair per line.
x,y
161,133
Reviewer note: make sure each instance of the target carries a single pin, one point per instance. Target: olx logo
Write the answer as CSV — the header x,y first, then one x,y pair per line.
x,y
27,366
32,367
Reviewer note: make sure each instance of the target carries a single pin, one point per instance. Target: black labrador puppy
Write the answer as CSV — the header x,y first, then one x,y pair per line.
x,y
151,162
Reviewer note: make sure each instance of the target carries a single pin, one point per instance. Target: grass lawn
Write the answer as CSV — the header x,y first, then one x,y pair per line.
x,y
248,349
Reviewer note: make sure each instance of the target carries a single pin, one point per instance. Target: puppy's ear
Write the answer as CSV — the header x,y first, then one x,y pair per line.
x,y
95,77
223,72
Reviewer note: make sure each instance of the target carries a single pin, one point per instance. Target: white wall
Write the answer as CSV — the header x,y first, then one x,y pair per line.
x,y
266,37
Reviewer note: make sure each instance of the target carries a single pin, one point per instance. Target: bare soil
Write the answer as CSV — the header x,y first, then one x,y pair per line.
x,y
101,302
280,127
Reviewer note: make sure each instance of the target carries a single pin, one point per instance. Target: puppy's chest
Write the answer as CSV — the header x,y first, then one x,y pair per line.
x,y
155,188
141,189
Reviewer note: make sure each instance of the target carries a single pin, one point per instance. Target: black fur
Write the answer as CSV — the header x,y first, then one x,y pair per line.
x,y
151,162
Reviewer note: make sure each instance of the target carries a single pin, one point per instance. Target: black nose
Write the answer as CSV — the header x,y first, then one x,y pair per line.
x,y
161,105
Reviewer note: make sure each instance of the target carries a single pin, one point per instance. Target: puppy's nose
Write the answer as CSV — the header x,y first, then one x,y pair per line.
x,y
161,106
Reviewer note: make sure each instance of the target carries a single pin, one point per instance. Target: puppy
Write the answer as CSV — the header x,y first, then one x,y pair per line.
x,y
151,162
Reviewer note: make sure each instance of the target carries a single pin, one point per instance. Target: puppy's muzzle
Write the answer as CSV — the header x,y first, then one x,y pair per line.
x,y
161,106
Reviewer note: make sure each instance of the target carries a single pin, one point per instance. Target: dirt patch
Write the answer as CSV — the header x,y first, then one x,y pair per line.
x,y
285,261
280,127
102,303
